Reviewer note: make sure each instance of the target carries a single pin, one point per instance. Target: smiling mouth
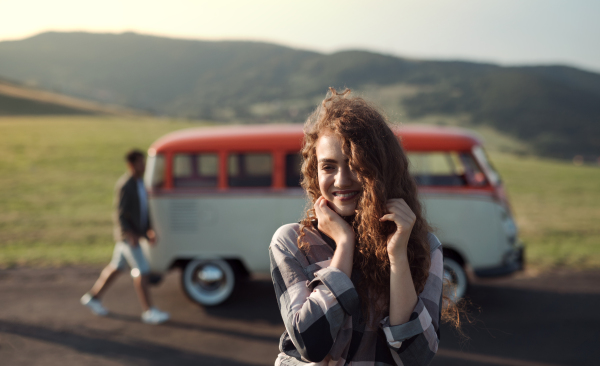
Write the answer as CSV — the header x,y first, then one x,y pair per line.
x,y
345,195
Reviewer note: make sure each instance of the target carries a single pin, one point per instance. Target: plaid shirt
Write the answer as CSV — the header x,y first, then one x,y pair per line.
x,y
321,310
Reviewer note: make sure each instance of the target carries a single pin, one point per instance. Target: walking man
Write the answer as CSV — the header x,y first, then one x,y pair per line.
x,y
132,222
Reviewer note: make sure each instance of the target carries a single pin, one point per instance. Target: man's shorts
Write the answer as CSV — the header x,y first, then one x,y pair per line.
x,y
125,254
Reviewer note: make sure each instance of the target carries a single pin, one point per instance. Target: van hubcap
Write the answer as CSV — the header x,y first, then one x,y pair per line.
x,y
210,277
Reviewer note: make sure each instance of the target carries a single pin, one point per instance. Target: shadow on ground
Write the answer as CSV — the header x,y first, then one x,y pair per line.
x,y
128,351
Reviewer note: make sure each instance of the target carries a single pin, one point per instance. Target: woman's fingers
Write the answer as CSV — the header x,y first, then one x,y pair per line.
x,y
401,221
388,217
322,210
400,213
319,211
399,205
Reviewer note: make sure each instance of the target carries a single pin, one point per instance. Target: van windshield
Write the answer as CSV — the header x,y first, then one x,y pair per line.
x,y
441,168
492,173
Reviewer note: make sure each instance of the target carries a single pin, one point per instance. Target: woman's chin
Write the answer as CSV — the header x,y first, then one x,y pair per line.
x,y
345,211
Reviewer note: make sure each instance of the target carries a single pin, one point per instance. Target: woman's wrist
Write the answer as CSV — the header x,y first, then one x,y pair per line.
x,y
398,259
345,242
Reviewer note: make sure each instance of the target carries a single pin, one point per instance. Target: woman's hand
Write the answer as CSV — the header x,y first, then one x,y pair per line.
x,y
404,218
333,225
341,232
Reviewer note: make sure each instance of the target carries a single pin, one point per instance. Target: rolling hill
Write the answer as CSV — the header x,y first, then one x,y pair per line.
x,y
556,109
16,99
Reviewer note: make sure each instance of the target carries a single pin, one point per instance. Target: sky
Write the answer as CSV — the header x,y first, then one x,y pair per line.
x,y
508,32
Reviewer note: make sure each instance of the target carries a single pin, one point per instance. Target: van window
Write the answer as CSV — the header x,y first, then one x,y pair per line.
x,y
250,170
292,170
445,169
482,158
182,166
154,177
195,170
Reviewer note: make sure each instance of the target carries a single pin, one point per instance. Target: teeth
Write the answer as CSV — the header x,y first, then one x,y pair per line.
x,y
345,195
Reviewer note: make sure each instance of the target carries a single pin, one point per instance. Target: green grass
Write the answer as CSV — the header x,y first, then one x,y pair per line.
x,y
56,183
57,175
557,207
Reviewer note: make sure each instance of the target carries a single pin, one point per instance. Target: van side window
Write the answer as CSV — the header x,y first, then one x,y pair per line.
x,y
182,166
250,170
195,170
436,169
292,170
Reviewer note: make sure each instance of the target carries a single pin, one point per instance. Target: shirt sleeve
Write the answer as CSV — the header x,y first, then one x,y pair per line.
x,y
313,312
125,203
416,341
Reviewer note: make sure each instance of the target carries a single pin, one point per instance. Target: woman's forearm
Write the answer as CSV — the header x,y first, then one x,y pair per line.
x,y
342,257
403,297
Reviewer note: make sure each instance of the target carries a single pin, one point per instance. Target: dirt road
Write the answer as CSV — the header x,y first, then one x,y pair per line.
x,y
542,321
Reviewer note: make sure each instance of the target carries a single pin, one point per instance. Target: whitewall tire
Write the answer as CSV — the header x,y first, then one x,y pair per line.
x,y
455,273
208,282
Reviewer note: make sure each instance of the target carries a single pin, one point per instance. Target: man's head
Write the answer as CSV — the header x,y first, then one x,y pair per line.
x,y
136,162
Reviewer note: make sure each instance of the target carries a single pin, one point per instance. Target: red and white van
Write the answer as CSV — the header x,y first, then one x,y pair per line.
x,y
217,195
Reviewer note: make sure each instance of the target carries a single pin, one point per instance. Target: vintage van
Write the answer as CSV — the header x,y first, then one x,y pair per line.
x,y
217,195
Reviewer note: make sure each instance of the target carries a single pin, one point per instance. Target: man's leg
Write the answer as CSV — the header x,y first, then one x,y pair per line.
x,y
140,282
91,299
140,271
107,276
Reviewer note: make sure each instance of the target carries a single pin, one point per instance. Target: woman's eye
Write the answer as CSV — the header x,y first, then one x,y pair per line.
x,y
326,167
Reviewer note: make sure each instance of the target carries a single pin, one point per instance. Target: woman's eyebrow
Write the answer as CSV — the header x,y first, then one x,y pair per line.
x,y
327,160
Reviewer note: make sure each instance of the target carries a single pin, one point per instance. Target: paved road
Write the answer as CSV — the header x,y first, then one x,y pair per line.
x,y
541,321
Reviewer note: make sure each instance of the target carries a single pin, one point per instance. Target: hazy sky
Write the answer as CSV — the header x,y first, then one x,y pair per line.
x,y
500,31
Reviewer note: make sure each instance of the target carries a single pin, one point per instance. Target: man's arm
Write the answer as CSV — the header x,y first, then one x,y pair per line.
x,y
125,216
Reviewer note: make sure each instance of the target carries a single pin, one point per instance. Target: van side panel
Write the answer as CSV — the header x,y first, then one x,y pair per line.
x,y
221,225
469,224
240,225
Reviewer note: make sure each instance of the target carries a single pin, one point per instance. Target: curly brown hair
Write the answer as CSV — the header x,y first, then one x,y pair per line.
x,y
381,165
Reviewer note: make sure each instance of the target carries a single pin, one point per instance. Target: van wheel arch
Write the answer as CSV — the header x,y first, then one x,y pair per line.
x,y
454,271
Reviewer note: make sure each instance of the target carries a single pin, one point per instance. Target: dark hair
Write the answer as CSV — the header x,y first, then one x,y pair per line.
x,y
133,155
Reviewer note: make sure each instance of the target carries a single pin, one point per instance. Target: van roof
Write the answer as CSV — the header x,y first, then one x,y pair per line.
x,y
289,137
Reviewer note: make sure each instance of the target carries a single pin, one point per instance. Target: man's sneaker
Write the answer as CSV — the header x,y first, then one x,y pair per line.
x,y
93,304
155,316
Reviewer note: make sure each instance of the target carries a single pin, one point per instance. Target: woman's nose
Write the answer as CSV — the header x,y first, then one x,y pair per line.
x,y
344,177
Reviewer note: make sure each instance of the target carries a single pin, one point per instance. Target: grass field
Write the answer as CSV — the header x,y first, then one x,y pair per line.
x,y
57,176
557,207
56,183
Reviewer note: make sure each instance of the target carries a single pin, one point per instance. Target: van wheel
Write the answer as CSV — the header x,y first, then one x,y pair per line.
x,y
208,282
455,273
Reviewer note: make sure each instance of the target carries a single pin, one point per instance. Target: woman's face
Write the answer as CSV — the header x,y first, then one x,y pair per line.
x,y
337,182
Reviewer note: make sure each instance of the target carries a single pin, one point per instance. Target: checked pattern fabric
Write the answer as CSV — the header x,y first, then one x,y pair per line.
x,y
321,309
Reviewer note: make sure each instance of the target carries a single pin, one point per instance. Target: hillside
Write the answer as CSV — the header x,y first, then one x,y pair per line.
x,y
556,109
17,99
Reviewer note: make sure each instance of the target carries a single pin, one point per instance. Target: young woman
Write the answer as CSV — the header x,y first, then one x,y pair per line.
x,y
359,280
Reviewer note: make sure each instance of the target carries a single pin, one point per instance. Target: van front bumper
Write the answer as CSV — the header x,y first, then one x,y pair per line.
x,y
513,261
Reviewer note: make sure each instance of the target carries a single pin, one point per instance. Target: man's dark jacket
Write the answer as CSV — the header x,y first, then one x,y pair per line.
x,y
126,215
